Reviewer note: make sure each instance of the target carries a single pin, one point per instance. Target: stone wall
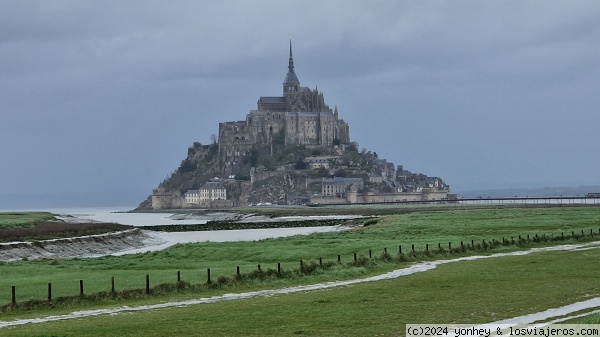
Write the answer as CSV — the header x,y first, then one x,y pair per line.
x,y
372,197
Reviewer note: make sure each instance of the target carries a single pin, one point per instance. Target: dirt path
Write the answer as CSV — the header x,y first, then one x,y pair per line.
x,y
415,268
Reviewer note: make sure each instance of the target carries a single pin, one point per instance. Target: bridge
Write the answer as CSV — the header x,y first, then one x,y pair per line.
x,y
530,200
560,200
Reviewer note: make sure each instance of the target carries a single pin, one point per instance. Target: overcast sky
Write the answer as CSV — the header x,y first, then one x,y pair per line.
x,y
101,99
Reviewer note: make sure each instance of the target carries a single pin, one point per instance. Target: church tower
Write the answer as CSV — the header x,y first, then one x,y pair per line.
x,y
291,85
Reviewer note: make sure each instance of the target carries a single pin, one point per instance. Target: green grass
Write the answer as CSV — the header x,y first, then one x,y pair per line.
x,y
418,228
461,292
23,219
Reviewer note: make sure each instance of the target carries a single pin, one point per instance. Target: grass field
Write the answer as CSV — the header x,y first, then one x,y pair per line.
x,y
23,219
477,291
466,292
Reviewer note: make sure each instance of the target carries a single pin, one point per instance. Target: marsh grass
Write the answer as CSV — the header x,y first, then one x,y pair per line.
x,y
479,230
23,219
306,269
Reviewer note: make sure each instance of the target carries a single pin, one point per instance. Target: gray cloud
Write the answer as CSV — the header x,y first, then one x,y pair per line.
x,y
106,96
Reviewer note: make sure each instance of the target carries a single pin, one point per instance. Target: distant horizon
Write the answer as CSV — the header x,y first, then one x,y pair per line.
x,y
124,199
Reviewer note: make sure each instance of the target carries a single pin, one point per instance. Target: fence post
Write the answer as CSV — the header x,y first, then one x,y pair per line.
x,y
385,251
413,247
112,284
259,270
14,295
320,262
339,259
370,254
238,270
80,287
439,246
147,284
208,275
472,244
49,291
449,246
427,247
400,249
178,276
278,267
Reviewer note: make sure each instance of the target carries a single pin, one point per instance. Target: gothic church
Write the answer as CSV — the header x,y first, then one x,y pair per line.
x,y
299,117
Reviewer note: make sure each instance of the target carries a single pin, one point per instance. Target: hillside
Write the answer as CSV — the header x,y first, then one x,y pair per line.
x,y
292,174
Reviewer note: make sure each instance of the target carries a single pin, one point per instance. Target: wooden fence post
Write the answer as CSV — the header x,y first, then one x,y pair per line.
x,y
449,246
355,257
208,275
278,267
385,251
370,254
259,270
339,259
426,247
238,270
147,284
112,284
320,262
80,287
49,291
14,295
178,276
413,247
400,249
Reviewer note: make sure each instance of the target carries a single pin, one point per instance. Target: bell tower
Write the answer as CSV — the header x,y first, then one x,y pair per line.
x,y
291,84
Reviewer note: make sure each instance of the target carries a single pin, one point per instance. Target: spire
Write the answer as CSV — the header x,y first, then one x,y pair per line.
x,y
291,77
291,57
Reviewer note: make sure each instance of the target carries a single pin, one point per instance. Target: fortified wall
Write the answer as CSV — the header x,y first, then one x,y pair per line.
x,y
354,197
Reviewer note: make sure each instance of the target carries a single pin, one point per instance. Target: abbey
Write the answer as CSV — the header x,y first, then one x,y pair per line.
x,y
292,149
299,117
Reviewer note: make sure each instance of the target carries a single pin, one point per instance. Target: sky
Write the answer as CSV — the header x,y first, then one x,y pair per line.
x,y
99,100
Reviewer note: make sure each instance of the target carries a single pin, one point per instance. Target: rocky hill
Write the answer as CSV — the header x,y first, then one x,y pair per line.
x,y
292,148
290,174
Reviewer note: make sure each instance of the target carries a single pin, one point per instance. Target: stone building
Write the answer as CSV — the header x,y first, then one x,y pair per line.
x,y
300,116
210,191
339,186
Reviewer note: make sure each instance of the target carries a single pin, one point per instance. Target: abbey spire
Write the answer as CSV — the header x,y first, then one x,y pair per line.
x,y
291,84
